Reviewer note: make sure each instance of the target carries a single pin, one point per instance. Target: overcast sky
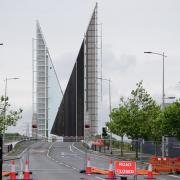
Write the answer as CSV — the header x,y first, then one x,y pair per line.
x,y
130,27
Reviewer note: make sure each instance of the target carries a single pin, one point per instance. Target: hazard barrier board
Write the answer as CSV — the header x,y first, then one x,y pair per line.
x,y
165,164
125,167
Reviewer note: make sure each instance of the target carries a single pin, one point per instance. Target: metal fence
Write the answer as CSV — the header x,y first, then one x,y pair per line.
x,y
127,149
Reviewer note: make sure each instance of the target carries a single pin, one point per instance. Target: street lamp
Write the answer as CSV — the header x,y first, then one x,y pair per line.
x,y
163,55
5,96
163,94
109,80
7,79
171,97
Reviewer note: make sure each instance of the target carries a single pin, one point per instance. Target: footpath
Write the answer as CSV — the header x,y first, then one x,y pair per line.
x,y
115,154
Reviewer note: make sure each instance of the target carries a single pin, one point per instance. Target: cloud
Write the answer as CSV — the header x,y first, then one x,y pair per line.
x,y
117,66
63,66
127,62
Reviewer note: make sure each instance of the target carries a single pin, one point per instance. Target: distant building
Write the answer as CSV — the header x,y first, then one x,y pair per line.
x,y
47,92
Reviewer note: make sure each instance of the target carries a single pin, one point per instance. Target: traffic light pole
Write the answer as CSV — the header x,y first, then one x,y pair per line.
x,y
110,114
109,80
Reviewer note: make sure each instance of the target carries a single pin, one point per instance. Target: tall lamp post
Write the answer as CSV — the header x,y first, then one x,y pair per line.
x,y
109,81
5,93
3,133
163,94
163,56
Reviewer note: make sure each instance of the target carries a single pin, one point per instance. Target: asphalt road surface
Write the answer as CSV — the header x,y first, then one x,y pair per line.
x,y
64,160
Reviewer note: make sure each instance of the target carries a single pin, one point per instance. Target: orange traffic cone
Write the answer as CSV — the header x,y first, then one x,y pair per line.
x,y
111,174
150,173
26,171
88,167
13,171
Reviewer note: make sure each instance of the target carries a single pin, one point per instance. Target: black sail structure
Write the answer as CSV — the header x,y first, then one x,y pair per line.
x,y
78,112
69,120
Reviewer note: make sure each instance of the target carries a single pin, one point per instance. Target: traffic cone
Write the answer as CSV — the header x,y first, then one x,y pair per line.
x,y
13,171
26,171
150,173
88,167
111,174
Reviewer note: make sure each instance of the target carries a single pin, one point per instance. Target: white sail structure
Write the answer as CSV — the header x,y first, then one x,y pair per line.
x,y
47,92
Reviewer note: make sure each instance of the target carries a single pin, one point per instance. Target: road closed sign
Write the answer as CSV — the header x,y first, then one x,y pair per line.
x,y
125,167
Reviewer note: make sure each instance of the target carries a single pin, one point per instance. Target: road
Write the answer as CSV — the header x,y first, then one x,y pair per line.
x,y
63,161
44,168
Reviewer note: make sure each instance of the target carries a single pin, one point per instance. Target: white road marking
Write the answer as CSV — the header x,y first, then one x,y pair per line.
x,y
71,148
62,153
159,178
37,151
77,148
175,176
100,156
67,165
99,178
49,149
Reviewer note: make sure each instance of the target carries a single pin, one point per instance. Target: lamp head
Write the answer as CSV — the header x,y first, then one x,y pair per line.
x,y
148,52
171,97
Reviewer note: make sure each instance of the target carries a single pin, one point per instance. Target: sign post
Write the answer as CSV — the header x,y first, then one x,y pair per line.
x,y
125,168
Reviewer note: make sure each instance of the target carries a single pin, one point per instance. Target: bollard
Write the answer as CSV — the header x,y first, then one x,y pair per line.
x,y
13,171
88,167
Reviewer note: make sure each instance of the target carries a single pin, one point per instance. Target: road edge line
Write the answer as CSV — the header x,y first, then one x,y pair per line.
x,y
49,149
77,148
175,176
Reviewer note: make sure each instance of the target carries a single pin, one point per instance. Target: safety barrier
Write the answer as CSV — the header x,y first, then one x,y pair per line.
x,y
94,170
97,143
120,169
165,164
14,174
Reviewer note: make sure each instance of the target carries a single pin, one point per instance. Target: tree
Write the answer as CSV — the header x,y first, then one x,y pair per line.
x,y
171,120
142,109
8,117
156,130
118,124
138,117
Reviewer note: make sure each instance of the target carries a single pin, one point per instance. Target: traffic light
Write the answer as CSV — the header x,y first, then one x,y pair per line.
x,y
87,126
104,132
34,126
